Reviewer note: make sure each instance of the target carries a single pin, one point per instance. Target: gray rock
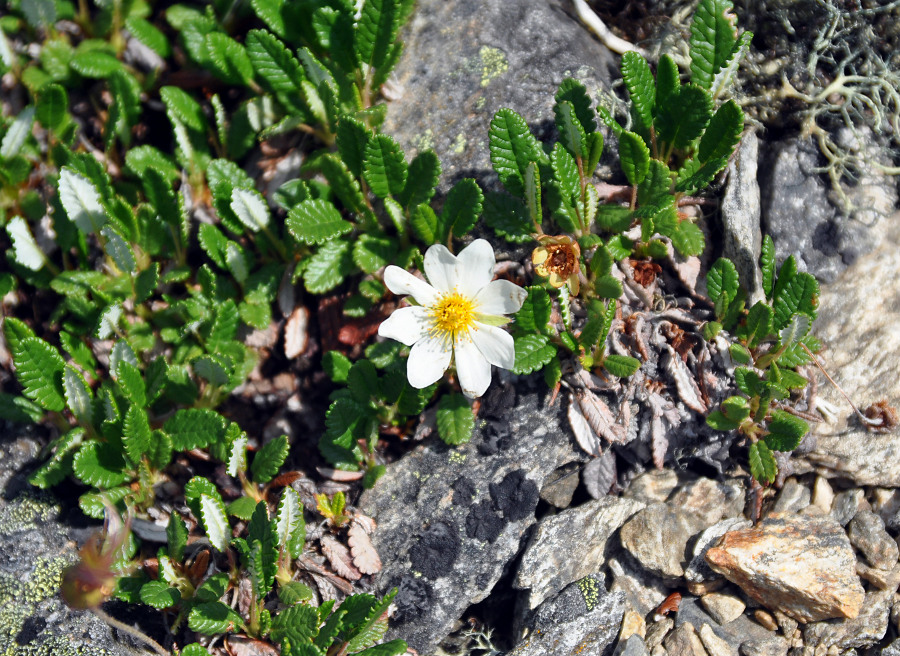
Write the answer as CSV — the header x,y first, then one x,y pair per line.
x,y
583,618
865,350
714,644
35,548
634,646
643,590
570,545
803,566
740,211
846,504
698,570
865,630
866,532
473,504
684,640
798,216
892,649
657,632
724,608
657,537
652,486
741,634
793,497
710,500
463,60
561,485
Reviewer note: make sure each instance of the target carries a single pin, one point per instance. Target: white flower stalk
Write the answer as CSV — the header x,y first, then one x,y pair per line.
x,y
457,317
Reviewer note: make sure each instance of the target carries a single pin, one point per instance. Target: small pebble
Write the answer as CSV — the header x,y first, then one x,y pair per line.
x,y
822,494
714,644
723,608
765,620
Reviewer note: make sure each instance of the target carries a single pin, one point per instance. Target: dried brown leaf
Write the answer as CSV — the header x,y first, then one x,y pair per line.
x,y
365,522
339,475
599,475
584,435
316,570
243,646
296,336
687,388
363,551
340,558
600,417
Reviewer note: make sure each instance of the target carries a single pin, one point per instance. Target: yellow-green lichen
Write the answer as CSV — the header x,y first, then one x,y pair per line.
x,y
459,144
590,591
425,141
26,512
493,64
457,457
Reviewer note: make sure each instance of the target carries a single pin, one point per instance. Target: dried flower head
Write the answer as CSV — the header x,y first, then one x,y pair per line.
x,y
558,258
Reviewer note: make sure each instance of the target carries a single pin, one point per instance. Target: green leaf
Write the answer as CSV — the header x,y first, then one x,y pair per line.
x,y
507,217
758,324
39,369
722,78
136,433
384,167
146,282
343,183
159,595
722,285
376,31
455,420
424,174
614,218
250,207
80,199
786,431
723,132
78,395
242,508
763,466
565,171
327,267
289,523
263,550
299,624
228,59
215,522
196,649
100,465
19,409
512,148
461,208
688,239
535,312
182,107
684,117
608,286
93,504
621,365
639,82
149,35
740,354
370,253
713,35
718,421
95,64
274,62
571,133
316,221
654,189
352,138
424,223
294,592
634,157
575,93
268,459
767,264
195,428
796,329
791,379
395,647
532,353
141,158
801,294
176,536
337,366
59,464
212,618
668,80
17,133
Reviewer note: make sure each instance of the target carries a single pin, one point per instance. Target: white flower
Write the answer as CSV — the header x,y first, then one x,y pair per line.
x,y
459,314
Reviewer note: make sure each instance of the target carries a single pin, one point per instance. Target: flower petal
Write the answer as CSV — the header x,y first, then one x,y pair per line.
x,y
475,267
428,360
473,370
407,325
403,282
500,297
441,268
495,344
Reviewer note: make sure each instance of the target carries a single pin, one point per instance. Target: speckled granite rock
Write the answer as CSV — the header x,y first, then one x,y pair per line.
x,y
803,566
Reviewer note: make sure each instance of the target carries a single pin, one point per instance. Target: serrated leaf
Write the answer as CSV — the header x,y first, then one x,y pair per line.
x,y
565,171
424,175
713,35
512,148
316,221
274,62
182,107
786,431
740,354
758,324
573,91
136,435
100,465
242,508
634,157
795,331
507,217
118,250
194,428
195,649
80,199
723,132
328,267
801,294
424,223
17,133
130,381
763,466
455,420
25,249
39,369
352,138
532,353
461,208
684,117
298,624
535,311
228,59
719,421
343,184
237,455
384,167
767,264
668,80
215,523
621,365
289,523
608,286
250,207
722,78
159,595
688,239
176,536
395,647
95,64
376,30
94,504
571,133
641,88
149,35
722,285
268,459
213,618
371,253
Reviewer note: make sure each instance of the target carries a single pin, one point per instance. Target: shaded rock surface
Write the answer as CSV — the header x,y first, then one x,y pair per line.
x,y
803,566
657,537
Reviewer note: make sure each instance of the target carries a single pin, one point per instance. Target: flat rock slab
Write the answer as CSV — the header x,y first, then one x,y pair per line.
x,y
451,519
801,565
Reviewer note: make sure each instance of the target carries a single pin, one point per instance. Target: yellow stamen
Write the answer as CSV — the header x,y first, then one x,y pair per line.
x,y
453,314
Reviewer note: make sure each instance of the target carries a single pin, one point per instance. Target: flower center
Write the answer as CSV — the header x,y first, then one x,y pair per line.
x,y
453,313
